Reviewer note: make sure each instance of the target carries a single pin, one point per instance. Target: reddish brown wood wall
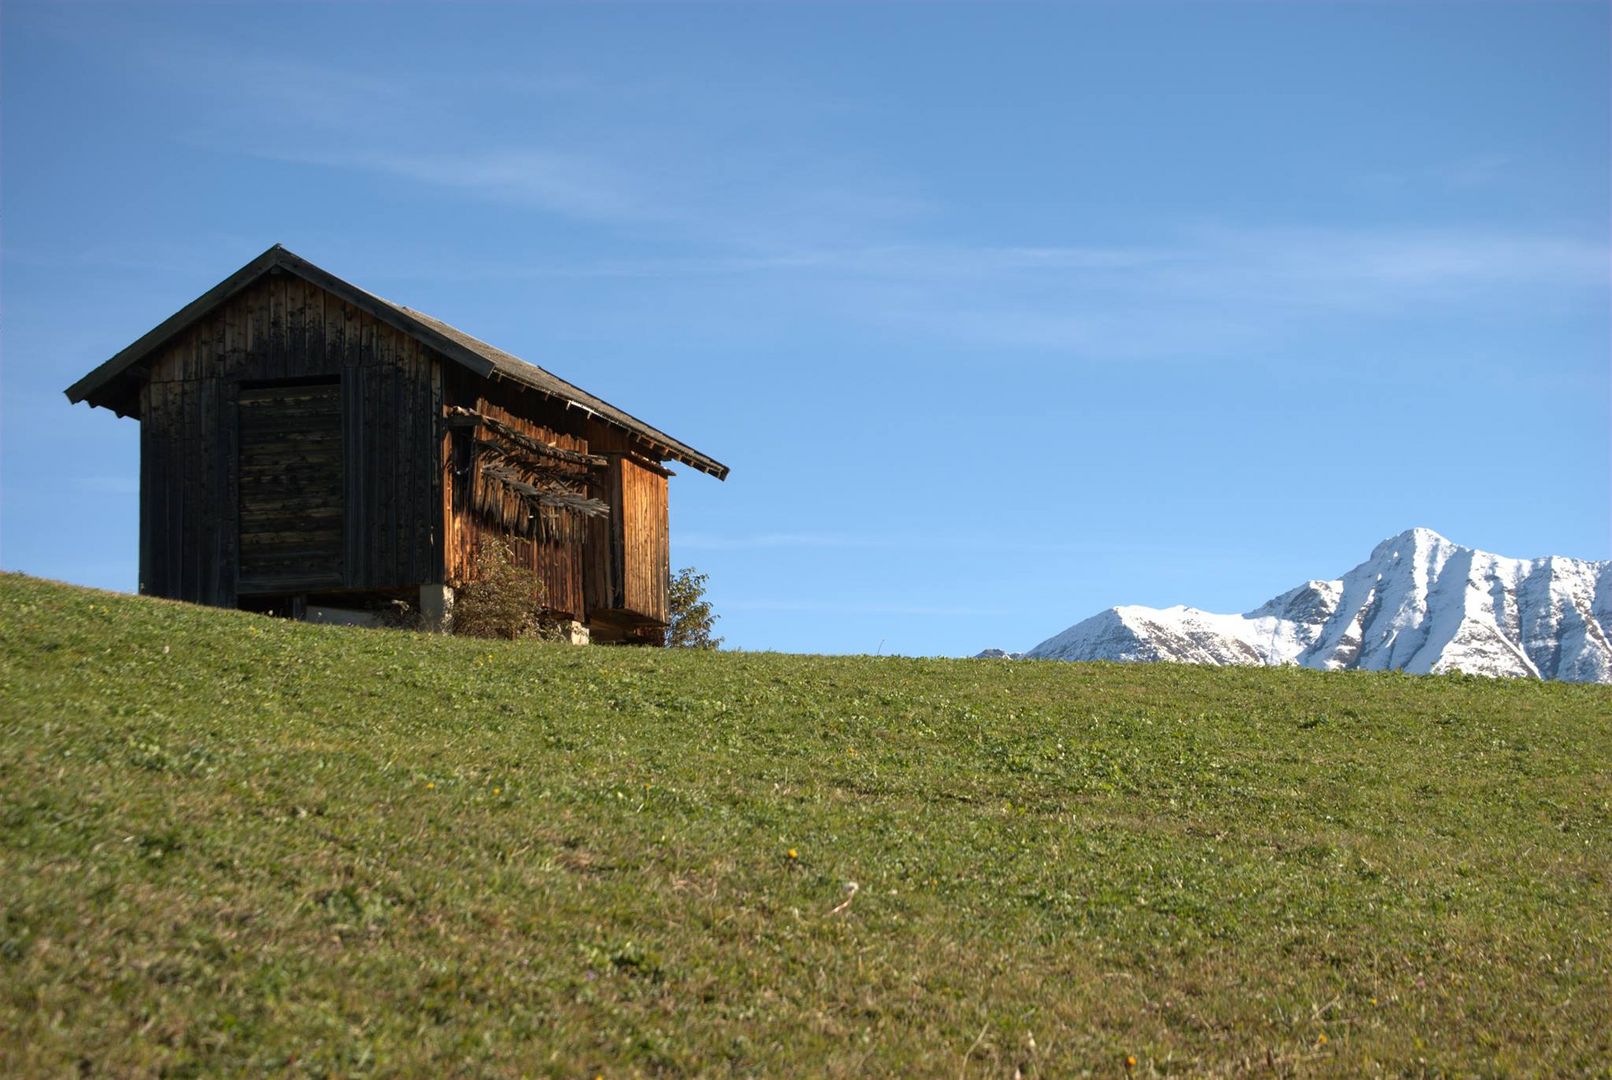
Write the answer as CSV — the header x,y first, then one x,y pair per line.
x,y
645,553
614,568
556,552
628,558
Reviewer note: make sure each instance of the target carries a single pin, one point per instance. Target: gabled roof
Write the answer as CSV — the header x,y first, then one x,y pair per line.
x,y
103,385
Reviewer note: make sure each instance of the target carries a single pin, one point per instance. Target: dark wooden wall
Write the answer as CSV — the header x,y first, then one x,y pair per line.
x,y
292,483
281,329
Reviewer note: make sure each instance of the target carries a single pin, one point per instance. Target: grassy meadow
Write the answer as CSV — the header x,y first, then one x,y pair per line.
x,y
239,846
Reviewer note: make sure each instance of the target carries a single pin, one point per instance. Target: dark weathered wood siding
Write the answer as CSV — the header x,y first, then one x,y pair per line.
x,y
292,491
279,330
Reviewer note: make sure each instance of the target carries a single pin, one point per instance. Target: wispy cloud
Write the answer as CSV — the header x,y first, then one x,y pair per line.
x,y
570,184
1476,171
1212,288
798,229
563,144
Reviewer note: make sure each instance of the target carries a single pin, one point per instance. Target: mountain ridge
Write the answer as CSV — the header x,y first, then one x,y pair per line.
x,y
1419,603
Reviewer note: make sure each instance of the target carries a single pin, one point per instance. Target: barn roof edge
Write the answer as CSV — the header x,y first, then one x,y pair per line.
x,y
485,360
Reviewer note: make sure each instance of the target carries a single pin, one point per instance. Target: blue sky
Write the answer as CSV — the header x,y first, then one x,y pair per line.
x,y
1001,313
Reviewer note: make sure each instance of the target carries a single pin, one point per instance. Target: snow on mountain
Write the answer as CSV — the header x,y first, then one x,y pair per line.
x,y
1420,604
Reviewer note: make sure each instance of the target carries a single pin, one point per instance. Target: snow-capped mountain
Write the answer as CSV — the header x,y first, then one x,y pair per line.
x,y
1420,604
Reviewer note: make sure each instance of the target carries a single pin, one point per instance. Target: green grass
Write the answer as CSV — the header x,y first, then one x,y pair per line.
x,y
233,845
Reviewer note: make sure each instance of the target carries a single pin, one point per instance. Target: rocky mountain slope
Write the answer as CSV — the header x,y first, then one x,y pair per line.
x,y
1420,603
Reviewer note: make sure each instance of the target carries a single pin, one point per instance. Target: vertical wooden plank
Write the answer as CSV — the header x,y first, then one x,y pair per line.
x,y
368,454
442,495
157,504
200,520
263,361
318,355
429,472
205,494
196,502
384,427
403,460
274,357
414,465
229,364
230,453
296,338
211,442
149,494
253,331
372,436
351,329
177,484
355,564
380,435
663,609
396,462
420,467
169,540
176,490
618,537
334,331
296,326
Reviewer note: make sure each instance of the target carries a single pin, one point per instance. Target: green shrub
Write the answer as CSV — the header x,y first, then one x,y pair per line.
x,y
691,621
503,600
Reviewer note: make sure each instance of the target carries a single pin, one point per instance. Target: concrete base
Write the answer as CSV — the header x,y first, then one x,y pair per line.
x,y
335,616
436,608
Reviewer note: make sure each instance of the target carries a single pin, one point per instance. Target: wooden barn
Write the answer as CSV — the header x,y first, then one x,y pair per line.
x,y
310,449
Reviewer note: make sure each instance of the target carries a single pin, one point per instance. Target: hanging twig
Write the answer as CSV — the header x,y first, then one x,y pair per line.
x,y
559,500
458,414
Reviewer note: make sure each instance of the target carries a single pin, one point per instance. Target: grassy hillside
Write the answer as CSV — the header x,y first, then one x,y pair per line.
x,y
237,845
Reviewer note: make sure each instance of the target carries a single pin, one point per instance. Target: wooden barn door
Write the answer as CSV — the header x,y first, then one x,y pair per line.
x,y
291,487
